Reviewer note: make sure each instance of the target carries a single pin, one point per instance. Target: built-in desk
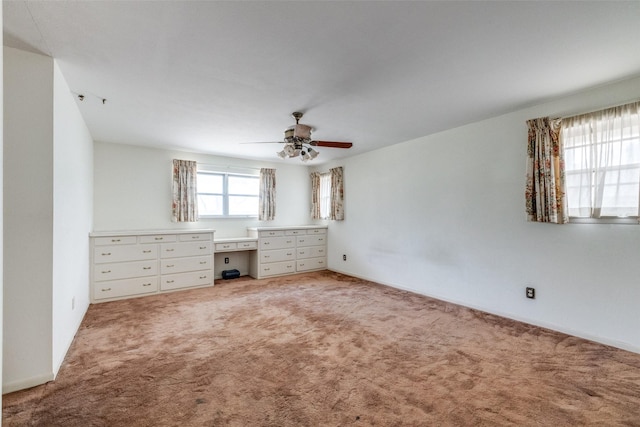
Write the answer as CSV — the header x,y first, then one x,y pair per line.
x,y
233,253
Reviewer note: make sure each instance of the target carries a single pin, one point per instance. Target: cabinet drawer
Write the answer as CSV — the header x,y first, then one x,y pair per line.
x,y
114,240
277,268
103,254
294,232
277,242
125,270
180,265
248,245
311,252
158,238
226,246
186,280
311,264
272,233
123,288
194,237
278,255
312,240
175,250
317,231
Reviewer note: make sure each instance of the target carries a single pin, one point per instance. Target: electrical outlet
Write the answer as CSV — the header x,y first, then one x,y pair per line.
x,y
344,257
531,293
226,260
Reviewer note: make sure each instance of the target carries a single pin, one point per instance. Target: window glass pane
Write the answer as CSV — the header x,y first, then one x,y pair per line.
x,y
210,205
602,160
243,205
210,183
244,185
325,195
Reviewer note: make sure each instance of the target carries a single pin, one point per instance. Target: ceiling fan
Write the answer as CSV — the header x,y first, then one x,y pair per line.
x,y
298,142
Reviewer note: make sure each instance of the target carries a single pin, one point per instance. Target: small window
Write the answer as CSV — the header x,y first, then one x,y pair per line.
x,y
227,195
602,164
325,195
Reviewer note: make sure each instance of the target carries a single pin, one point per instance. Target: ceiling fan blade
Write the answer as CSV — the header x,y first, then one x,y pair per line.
x,y
263,142
332,144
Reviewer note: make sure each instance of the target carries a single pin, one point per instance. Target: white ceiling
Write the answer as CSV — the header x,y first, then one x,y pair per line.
x,y
208,76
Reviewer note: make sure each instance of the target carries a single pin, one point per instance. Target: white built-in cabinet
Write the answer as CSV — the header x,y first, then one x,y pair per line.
x,y
130,264
288,250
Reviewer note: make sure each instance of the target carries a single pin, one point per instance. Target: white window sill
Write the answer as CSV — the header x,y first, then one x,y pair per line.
x,y
608,220
228,217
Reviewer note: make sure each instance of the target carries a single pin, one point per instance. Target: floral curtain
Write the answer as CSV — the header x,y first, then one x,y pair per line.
x,y
337,194
545,188
267,208
315,196
184,191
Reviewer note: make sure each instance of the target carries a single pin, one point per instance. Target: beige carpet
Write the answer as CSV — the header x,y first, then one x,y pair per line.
x,y
324,349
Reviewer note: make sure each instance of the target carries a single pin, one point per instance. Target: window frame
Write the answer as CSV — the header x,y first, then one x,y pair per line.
x,y
226,194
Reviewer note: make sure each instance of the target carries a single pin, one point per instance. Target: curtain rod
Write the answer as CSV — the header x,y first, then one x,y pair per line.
x,y
599,109
228,167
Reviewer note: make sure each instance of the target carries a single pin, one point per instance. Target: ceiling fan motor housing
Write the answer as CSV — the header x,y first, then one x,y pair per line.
x,y
299,132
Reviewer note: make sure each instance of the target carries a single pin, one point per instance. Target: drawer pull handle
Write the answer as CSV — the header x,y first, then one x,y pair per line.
x,y
267,269
289,241
203,262
147,252
301,252
106,253
267,256
266,243
146,284
146,268
170,250
291,266
159,238
301,240
195,237
106,271
170,265
106,289
169,281
115,240
203,247
203,277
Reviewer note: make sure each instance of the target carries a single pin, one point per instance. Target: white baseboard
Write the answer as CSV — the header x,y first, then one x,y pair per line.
x,y
27,383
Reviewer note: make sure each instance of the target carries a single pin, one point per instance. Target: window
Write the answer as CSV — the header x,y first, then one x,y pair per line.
x,y
227,195
325,195
602,163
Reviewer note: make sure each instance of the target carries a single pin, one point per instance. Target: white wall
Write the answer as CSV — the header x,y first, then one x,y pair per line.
x,y
72,216
132,190
1,196
48,169
28,219
443,215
